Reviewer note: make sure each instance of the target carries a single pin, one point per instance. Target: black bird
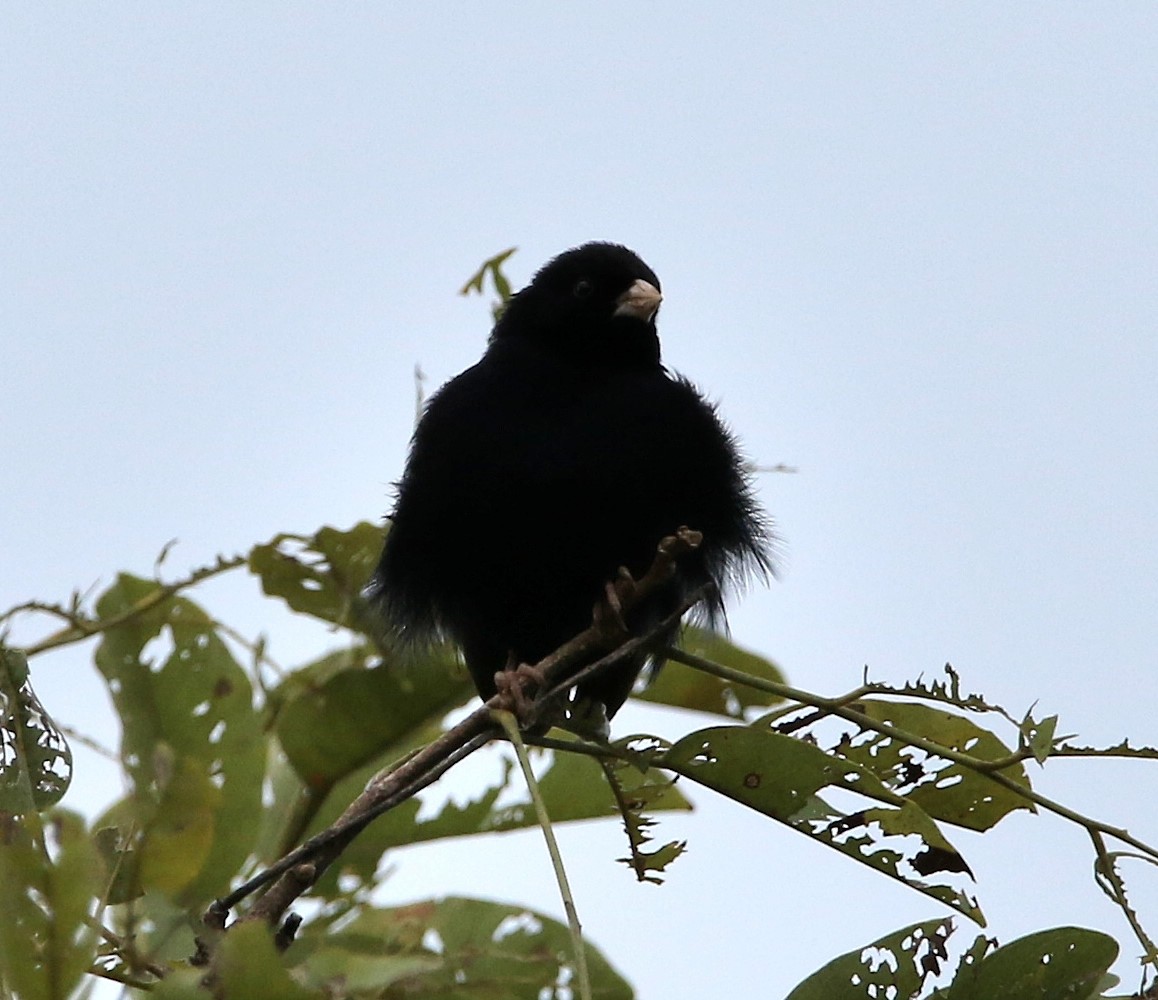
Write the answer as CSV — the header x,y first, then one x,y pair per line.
x,y
567,452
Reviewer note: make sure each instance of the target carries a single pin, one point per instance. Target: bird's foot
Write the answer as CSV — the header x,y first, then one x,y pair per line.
x,y
608,613
517,686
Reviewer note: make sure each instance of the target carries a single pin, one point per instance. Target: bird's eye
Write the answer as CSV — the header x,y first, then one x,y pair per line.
x,y
583,289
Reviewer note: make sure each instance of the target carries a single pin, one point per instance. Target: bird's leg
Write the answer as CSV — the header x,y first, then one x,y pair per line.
x,y
608,615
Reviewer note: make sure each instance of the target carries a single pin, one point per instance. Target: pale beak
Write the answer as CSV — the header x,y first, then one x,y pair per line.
x,y
640,301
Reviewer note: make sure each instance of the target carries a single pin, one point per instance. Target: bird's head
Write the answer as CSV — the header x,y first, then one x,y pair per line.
x,y
595,305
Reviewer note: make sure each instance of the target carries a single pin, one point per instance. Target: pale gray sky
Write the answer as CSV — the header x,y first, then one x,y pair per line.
x,y
910,248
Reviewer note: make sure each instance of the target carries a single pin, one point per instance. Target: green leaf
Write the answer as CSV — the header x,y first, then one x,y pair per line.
x,y
323,575
122,866
35,760
358,963
351,707
179,834
896,966
680,686
493,266
192,741
1039,736
502,286
1122,749
289,805
164,931
249,966
980,947
45,944
945,790
469,949
781,776
1065,963
181,984
573,788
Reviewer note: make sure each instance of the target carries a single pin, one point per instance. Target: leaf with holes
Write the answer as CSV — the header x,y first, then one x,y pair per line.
x,y
896,965
1040,736
188,717
35,760
781,777
323,575
1066,963
178,833
45,942
943,789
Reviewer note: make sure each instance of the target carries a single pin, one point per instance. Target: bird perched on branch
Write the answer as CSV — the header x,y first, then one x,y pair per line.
x,y
566,453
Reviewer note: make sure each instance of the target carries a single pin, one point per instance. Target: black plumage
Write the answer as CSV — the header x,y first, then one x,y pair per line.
x,y
566,452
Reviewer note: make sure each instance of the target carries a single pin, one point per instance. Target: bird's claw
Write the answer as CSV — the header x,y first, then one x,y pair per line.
x,y
670,548
607,615
517,685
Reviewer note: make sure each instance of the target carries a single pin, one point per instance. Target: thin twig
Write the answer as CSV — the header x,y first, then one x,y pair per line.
x,y
511,727
81,627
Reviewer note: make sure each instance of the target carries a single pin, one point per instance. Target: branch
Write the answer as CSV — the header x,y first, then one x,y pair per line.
x,y
301,868
81,627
